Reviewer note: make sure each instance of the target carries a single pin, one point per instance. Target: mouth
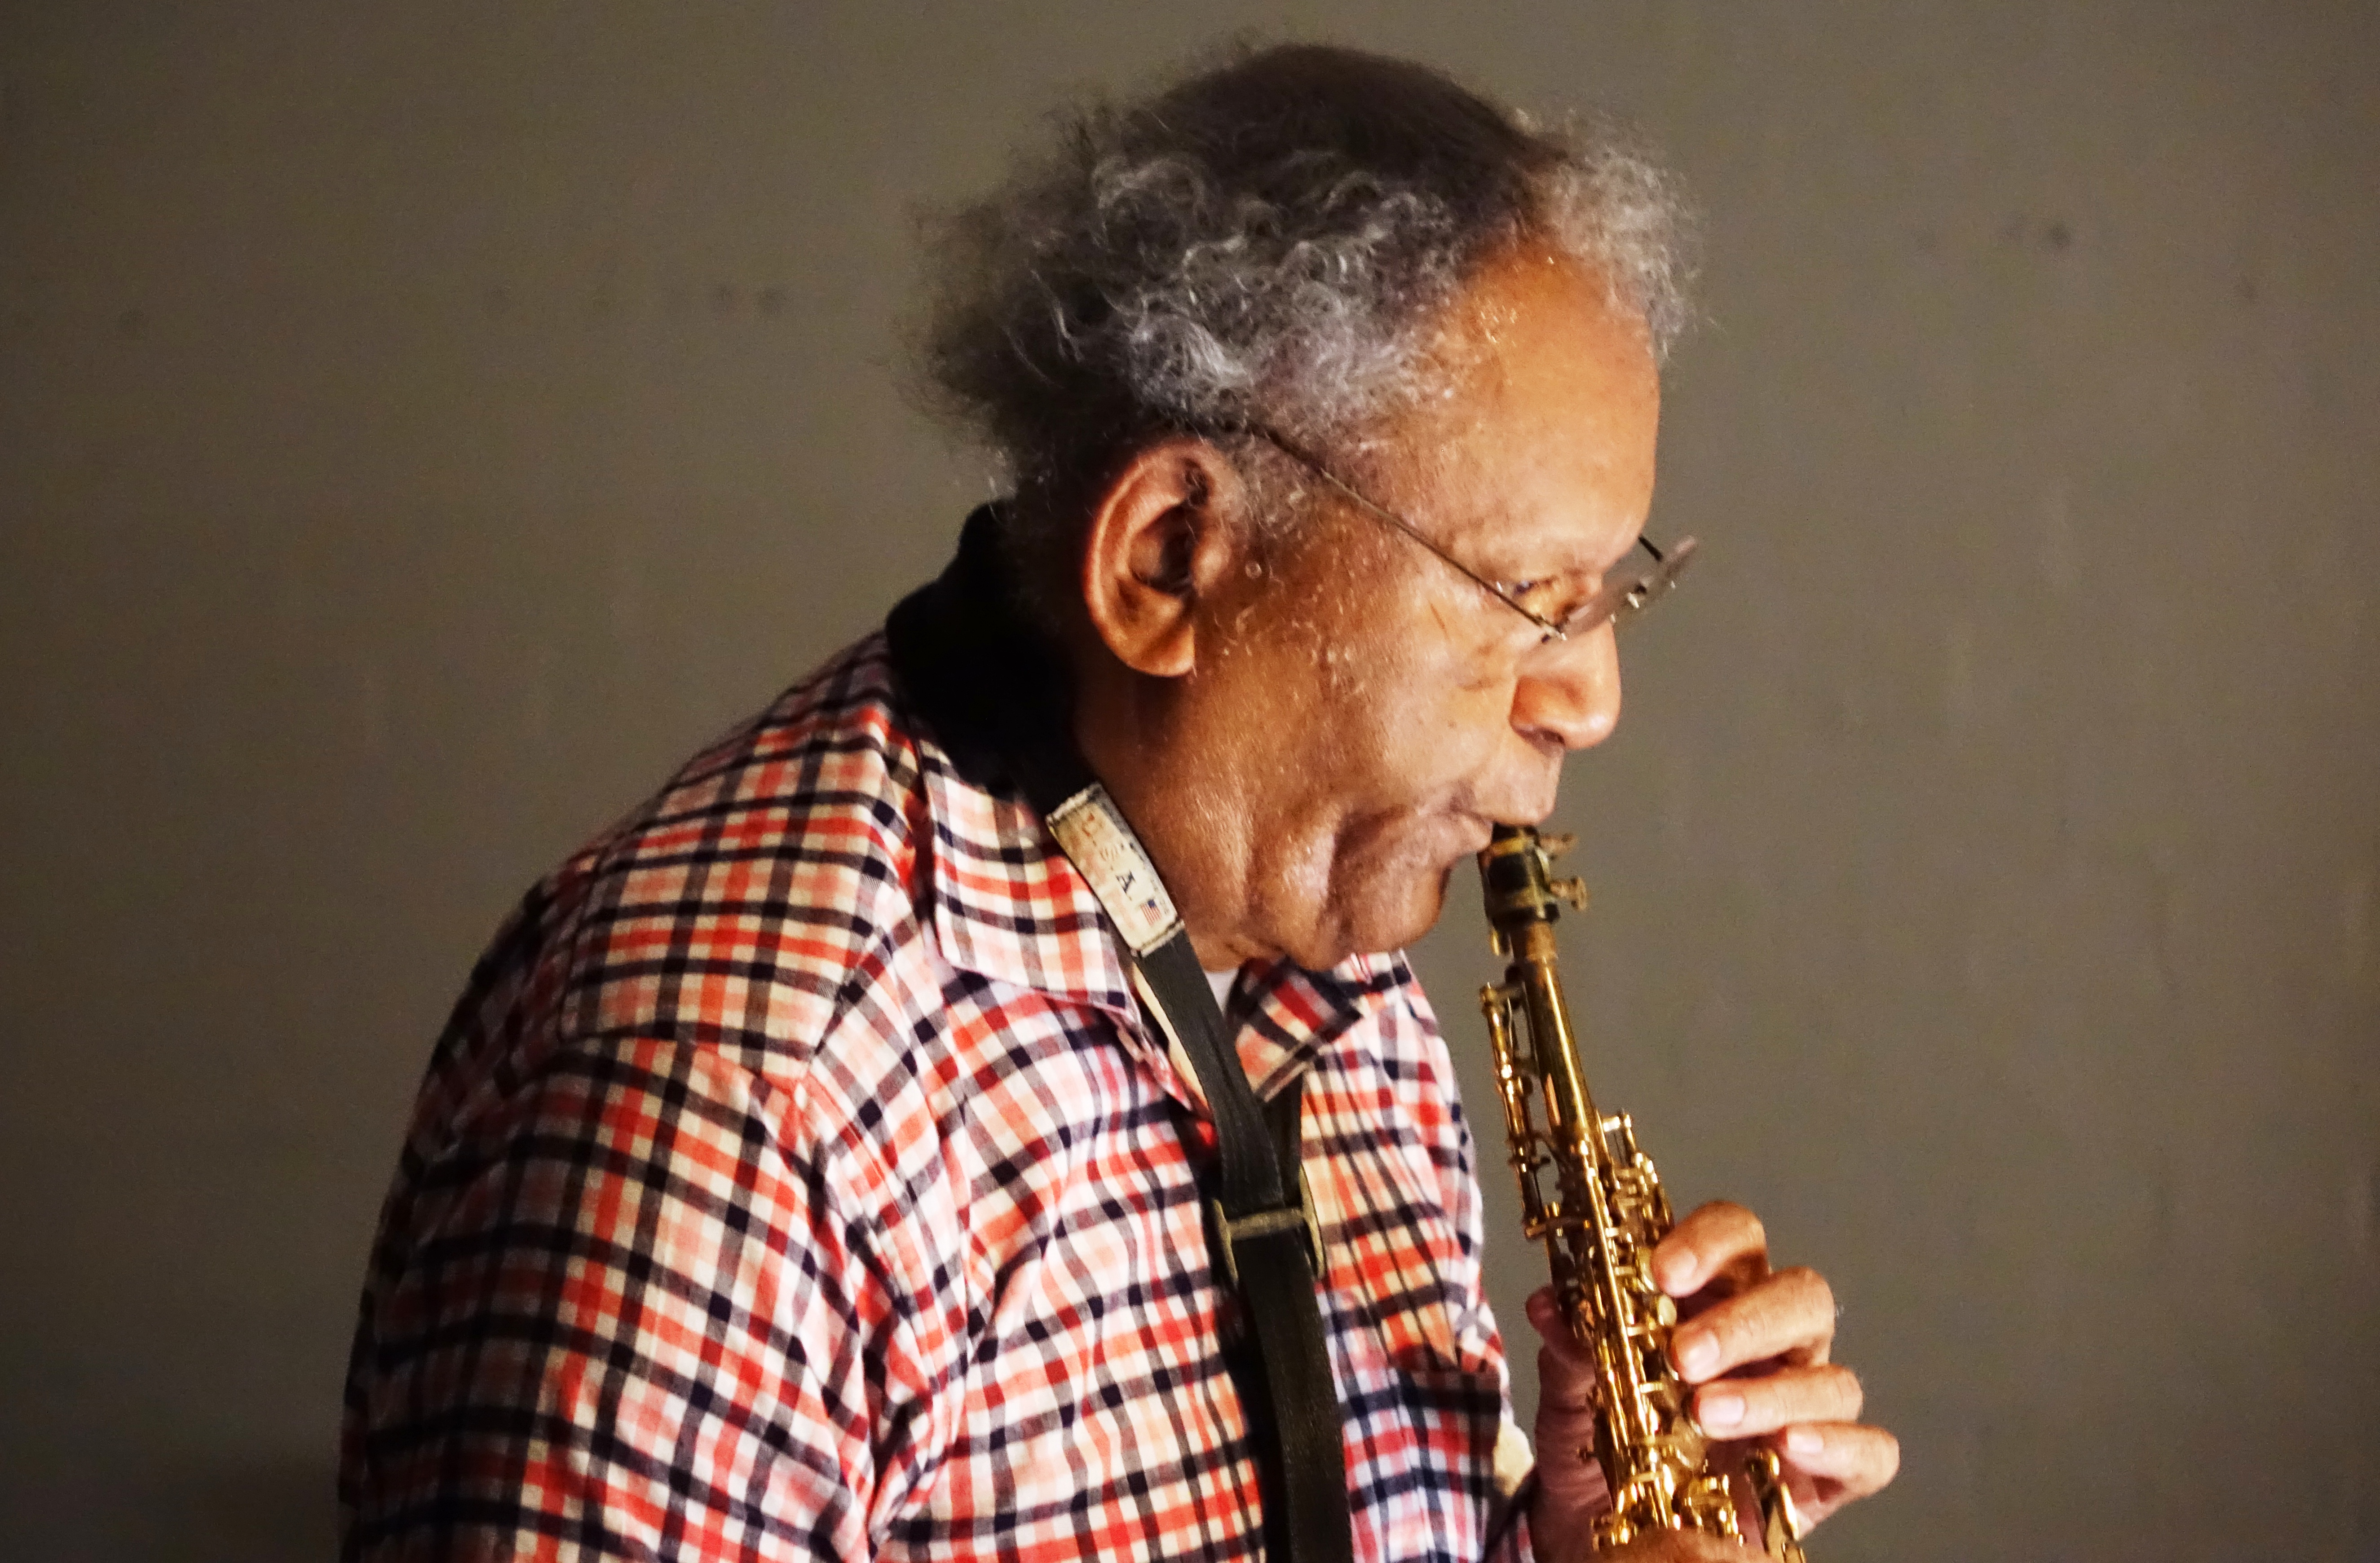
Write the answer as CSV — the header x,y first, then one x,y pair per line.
x,y
1475,819
1522,799
1470,830
1528,815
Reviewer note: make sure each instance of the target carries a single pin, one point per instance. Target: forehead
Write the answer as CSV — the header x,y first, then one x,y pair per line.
x,y
1542,435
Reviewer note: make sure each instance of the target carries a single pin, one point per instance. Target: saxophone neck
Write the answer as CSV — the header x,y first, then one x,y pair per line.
x,y
1516,877
1524,902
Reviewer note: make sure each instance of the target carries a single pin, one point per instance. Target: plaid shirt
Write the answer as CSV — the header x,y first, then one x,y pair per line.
x,y
798,1177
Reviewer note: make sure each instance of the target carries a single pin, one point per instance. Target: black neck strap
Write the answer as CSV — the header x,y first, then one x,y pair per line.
x,y
999,698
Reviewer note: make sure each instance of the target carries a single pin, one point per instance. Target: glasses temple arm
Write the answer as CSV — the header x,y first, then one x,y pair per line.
x,y
1389,518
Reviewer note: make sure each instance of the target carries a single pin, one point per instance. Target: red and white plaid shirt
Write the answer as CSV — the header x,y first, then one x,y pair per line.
x,y
798,1179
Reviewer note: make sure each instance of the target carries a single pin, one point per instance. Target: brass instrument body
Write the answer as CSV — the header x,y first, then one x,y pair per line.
x,y
1591,1195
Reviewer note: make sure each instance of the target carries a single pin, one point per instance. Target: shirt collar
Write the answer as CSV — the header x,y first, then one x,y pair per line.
x,y
1284,1016
1007,904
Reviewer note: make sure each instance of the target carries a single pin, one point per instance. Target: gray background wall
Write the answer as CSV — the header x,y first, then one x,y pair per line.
x,y
420,425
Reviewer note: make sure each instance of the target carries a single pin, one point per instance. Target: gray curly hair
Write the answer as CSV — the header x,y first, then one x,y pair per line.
x,y
1262,245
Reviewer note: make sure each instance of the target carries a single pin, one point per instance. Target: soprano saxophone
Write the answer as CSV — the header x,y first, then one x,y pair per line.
x,y
1593,1198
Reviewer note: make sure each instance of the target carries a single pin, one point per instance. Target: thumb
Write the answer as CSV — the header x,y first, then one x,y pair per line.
x,y
1570,1483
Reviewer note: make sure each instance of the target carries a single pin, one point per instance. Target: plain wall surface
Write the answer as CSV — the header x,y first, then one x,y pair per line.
x,y
422,427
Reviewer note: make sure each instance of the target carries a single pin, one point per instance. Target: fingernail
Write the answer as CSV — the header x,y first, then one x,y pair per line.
x,y
1800,1440
1676,1273
1720,1410
1698,1355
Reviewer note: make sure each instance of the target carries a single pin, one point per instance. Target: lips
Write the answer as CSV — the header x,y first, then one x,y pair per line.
x,y
1526,812
1477,824
1472,831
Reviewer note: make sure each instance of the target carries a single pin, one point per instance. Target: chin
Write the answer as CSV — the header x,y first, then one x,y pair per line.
x,y
1381,919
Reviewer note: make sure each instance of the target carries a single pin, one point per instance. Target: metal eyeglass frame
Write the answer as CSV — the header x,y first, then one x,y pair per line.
x,y
1615,601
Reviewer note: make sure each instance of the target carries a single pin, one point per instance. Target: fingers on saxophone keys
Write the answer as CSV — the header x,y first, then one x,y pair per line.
x,y
1743,1407
1790,1316
1830,1463
1716,1239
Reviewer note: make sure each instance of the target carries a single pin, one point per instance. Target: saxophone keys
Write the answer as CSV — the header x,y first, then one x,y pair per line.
x,y
1781,1521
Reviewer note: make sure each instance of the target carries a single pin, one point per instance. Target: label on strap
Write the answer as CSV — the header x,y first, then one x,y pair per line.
x,y
1092,833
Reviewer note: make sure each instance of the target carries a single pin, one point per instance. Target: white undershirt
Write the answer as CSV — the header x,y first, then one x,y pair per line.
x,y
1221,982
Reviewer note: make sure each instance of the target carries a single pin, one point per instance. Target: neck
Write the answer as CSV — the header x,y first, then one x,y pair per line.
x,y
1142,743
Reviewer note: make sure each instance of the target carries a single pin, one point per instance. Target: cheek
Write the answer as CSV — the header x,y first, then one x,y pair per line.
x,y
1426,724
1380,700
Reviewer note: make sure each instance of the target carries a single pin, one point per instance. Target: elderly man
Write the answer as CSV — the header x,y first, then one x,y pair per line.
x,y
842,1157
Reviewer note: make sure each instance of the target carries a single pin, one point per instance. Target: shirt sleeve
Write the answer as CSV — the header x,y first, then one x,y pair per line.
x,y
632,1324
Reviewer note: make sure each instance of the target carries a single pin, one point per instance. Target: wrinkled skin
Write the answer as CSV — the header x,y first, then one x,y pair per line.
x,y
1310,735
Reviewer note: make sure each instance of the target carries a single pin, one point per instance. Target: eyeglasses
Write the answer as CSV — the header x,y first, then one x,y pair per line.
x,y
1621,597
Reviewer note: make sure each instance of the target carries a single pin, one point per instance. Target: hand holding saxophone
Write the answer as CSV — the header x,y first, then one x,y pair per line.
x,y
1686,1399
1755,1345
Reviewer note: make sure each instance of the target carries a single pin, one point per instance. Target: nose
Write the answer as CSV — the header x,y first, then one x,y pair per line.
x,y
1569,690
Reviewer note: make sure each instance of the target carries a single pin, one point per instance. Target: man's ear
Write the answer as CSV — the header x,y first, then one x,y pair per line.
x,y
1158,542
